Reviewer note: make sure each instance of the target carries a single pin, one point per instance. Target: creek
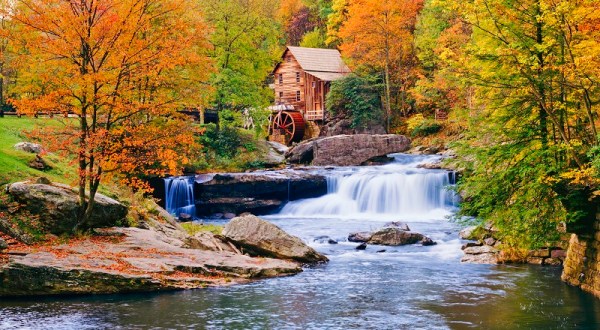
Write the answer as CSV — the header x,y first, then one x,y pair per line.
x,y
406,287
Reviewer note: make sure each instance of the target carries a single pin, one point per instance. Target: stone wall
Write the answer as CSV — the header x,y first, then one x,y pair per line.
x,y
582,265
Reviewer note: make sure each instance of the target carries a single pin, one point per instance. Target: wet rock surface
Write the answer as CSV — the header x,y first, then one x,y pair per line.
x,y
258,192
359,237
392,234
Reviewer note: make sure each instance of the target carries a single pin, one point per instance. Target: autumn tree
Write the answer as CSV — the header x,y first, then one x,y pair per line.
x,y
335,19
123,67
7,56
535,124
440,35
378,35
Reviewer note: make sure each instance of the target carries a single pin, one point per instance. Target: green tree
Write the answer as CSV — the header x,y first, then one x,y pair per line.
x,y
359,97
440,36
314,39
245,42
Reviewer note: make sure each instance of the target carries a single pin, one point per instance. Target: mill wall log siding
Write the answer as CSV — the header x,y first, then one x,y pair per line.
x,y
582,265
290,87
315,97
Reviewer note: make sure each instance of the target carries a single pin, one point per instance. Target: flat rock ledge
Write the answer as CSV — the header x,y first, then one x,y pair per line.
x,y
127,260
346,150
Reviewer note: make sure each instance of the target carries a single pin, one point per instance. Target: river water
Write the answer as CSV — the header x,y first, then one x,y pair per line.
x,y
408,287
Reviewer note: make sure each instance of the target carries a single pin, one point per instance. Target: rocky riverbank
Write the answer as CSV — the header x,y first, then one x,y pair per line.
x,y
486,248
155,255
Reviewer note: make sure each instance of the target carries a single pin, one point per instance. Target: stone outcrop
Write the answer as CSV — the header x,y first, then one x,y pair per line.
x,y
58,206
210,242
130,260
392,234
15,232
468,233
39,163
3,244
258,237
257,192
29,147
346,150
273,155
582,263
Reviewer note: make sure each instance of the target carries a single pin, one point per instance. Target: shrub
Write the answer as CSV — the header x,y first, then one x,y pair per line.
x,y
358,97
224,142
424,128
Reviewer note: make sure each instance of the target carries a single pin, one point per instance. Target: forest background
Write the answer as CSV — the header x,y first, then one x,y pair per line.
x,y
518,80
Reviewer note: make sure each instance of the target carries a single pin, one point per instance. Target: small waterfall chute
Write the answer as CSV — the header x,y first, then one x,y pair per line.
x,y
179,196
396,190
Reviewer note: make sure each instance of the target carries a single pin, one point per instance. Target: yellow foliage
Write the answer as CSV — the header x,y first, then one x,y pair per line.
x,y
415,121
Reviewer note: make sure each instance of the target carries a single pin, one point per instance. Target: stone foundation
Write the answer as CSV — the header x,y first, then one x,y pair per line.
x,y
582,265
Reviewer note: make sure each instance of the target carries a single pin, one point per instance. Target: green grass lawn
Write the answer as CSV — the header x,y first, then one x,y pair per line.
x,y
13,163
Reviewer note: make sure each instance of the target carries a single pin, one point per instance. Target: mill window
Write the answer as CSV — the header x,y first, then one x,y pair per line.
x,y
297,76
297,95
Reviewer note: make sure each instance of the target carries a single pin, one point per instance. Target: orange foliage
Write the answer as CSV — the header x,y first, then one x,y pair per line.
x,y
379,29
378,35
123,67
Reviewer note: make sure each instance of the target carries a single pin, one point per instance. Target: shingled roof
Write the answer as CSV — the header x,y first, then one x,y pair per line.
x,y
325,64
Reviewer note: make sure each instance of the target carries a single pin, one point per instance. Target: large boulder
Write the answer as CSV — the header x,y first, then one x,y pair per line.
x,y
3,244
395,236
30,147
347,150
261,238
58,206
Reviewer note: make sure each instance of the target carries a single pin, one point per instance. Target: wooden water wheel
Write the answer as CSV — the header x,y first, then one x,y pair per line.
x,y
288,124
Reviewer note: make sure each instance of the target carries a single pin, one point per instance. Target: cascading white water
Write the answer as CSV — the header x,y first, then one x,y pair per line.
x,y
179,196
399,189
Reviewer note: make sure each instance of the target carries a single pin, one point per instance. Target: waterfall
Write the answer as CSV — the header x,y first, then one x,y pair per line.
x,y
179,196
395,190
